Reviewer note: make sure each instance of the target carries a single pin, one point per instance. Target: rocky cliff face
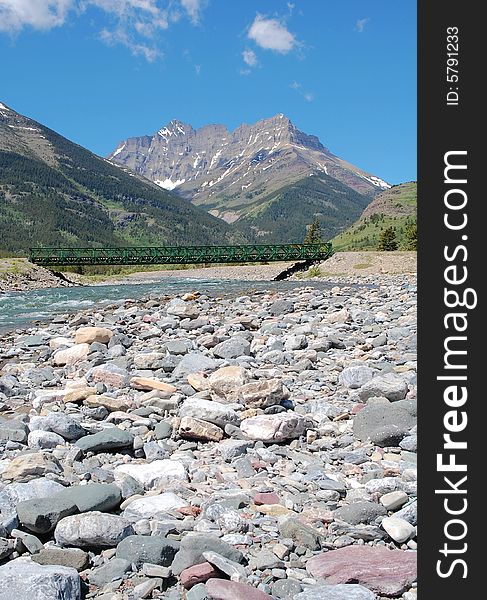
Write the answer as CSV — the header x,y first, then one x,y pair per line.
x,y
231,173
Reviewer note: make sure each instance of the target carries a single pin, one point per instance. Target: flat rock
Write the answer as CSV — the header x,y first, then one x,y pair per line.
x,y
148,384
12,430
21,578
275,428
385,424
41,515
386,572
111,438
29,466
92,529
360,512
66,557
111,571
196,429
102,497
111,375
194,544
398,529
140,549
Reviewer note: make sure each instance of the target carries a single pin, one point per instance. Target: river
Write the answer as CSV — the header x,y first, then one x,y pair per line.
x,y
19,309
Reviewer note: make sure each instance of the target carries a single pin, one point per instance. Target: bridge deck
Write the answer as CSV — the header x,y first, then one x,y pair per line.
x,y
180,255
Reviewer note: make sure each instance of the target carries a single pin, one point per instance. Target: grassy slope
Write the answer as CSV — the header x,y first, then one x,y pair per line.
x,y
285,214
393,208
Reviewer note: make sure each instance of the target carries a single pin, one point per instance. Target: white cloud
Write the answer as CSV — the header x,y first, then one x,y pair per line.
x,y
361,23
297,87
194,8
39,14
272,34
249,58
120,37
131,23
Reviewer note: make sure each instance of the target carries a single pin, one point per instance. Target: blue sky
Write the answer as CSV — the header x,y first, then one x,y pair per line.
x,y
98,71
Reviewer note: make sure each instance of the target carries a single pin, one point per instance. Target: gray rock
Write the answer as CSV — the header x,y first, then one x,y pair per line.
x,y
64,425
6,548
356,376
102,497
13,431
21,578
32,543
230,449
390,386
286,589
111,571
194,544
163,430
348,591
41,515
17,492
44,440
92,529
232,348
111,438
198,592
360,512
300,533
140,549
192,363
385,424
281,307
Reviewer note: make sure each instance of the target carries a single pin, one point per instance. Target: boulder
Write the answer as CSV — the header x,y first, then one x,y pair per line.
x,y
140,549
385,572
92,529
111,438
88,335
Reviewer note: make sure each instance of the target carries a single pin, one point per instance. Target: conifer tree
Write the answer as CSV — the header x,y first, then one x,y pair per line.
x,y
387,240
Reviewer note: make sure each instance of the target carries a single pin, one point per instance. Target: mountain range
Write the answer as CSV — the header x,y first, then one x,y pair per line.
x,y
260,183
54,192
256,175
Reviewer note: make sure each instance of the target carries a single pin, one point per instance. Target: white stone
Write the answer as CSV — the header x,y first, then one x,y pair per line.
x,y
399,529
209,410
92,529
41,440
274,428
158,472
146,508
22,578
71,356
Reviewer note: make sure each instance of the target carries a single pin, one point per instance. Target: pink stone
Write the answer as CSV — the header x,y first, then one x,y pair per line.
x,y
197,574
357,408
385,572
222,589
266,498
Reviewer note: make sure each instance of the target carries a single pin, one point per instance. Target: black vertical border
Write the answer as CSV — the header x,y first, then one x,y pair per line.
x,y
443,128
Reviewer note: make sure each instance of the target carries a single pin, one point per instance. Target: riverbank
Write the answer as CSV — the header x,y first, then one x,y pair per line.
x,y
19,275
153,446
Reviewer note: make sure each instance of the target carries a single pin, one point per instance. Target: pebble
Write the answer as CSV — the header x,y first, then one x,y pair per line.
x,y
255,447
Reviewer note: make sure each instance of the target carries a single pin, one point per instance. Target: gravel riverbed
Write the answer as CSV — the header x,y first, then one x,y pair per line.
x,y
257,447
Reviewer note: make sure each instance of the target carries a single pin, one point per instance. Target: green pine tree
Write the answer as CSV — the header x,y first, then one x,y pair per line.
x,y
412,237
313,235
387,240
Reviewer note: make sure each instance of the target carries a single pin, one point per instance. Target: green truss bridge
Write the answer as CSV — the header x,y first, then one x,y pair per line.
x,y
181,255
